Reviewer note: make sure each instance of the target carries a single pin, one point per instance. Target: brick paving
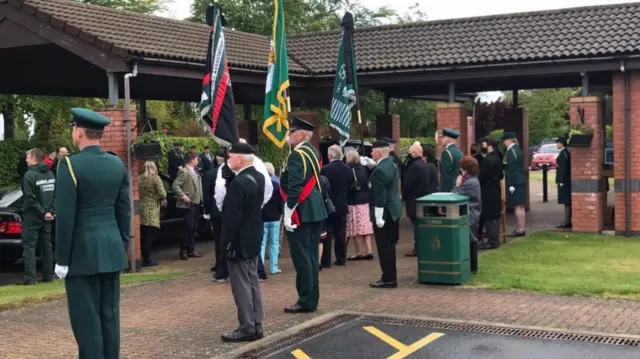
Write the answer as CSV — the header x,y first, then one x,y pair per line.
x,y
184,317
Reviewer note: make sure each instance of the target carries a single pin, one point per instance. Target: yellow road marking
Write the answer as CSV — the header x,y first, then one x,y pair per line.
x,y
387,339
299,354
416,346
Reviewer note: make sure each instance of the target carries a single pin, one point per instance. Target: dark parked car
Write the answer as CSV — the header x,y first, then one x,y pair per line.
x,y
11,222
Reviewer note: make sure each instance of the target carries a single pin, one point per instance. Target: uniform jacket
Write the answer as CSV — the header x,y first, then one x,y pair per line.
x,y
206,164
93,213
294,178
384,184
187,183
420,179
242,218
563,176
225,176
449,168
175,159
152,192
470,187
38,187
491,174
341,178
514,172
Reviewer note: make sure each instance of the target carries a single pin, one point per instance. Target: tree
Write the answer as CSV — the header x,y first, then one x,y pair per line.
x,y
141,6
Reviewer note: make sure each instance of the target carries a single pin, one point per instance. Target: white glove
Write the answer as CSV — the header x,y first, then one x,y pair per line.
x,y
512,189
288,225
61,271
206,216
378,214
561,184
367,162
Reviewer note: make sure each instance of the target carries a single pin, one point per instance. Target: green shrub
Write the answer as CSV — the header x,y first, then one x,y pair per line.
x,y
11,151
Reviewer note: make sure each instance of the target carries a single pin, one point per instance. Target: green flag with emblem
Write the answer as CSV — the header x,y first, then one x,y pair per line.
x,y
345,87
276,98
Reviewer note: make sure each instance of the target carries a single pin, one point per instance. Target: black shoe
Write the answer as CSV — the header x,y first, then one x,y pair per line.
x,y
339,263
150,264
381,284
259,334
487,246
564,225
569,225
24,282
297,309
237,336
517,234
194,254
213,269
413,253
183,255
368,257
355,258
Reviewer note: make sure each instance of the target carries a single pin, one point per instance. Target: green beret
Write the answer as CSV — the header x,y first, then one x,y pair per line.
x,y
509,136
90,120
448,132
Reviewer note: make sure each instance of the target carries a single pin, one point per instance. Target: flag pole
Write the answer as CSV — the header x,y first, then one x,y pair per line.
x,y
352,48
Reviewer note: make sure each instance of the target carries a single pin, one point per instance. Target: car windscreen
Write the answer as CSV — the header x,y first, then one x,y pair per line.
x,y
10,198
549,149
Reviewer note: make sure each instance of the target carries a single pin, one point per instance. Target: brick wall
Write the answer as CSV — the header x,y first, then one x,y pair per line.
x,y
619,149
586,169
454,116
312,118
114,140
388,126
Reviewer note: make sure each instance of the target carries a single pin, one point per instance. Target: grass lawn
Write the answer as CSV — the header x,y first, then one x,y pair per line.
x,y
13,296
561,263
551,177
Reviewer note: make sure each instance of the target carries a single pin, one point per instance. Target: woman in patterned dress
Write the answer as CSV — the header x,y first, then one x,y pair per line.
x,y
152,197
359,227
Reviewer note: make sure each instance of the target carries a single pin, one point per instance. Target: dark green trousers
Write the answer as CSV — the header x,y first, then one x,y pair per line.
x,y
303,243
37,234
94,311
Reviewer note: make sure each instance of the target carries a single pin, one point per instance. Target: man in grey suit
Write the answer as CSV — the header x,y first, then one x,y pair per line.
x,y
242,240
188,189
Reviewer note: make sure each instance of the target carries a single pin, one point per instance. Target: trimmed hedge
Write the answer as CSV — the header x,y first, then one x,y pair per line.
x,y
12,150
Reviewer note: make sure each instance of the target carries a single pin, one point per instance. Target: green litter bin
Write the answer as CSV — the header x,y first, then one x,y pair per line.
x,y
443,238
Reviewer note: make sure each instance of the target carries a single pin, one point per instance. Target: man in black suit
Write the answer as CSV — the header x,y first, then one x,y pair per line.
x,y
175,158
341,178
242,240
211,211
420,179
206,160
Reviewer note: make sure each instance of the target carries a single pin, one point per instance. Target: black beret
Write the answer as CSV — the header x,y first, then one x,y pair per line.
x,y
242,149
380,144
387,139
221,152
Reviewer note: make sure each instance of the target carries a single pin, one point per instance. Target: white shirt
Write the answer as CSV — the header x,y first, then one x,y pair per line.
x,y
221,189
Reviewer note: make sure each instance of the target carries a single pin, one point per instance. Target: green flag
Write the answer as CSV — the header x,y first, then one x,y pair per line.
x,y
276,100
345,87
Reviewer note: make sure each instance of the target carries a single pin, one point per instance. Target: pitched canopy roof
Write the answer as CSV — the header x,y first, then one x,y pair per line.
x,y
598,31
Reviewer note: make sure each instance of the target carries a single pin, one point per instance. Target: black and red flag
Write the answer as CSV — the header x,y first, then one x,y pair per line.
x,y
217,106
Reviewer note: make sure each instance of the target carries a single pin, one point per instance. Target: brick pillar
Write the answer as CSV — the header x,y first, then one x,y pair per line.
x,y
587,193
248,129
114,140
454,116
312,118
388,126
517,120
619,149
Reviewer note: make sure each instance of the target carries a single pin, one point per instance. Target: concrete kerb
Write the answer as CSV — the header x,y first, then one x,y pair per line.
x,y
326,317
277,336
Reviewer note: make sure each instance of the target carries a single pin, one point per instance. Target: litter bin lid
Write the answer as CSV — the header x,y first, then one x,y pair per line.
x,y
443,197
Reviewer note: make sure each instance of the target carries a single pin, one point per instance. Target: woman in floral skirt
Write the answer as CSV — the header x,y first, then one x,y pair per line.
x,y
359,226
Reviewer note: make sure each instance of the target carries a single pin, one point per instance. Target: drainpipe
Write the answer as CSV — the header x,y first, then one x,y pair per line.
x,y
127,121
627,151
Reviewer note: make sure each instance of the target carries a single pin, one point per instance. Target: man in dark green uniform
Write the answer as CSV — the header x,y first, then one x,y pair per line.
x,y
449,160
304,212
38,187
386,208
563,179
515,180
92,235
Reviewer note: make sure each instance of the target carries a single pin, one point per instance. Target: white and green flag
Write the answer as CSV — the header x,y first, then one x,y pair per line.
x,y
345,88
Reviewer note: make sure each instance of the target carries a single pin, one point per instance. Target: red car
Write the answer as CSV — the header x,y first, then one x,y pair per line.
x,y
546,154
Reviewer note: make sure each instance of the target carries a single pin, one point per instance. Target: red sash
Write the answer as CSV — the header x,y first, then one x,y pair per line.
x,y
307,188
